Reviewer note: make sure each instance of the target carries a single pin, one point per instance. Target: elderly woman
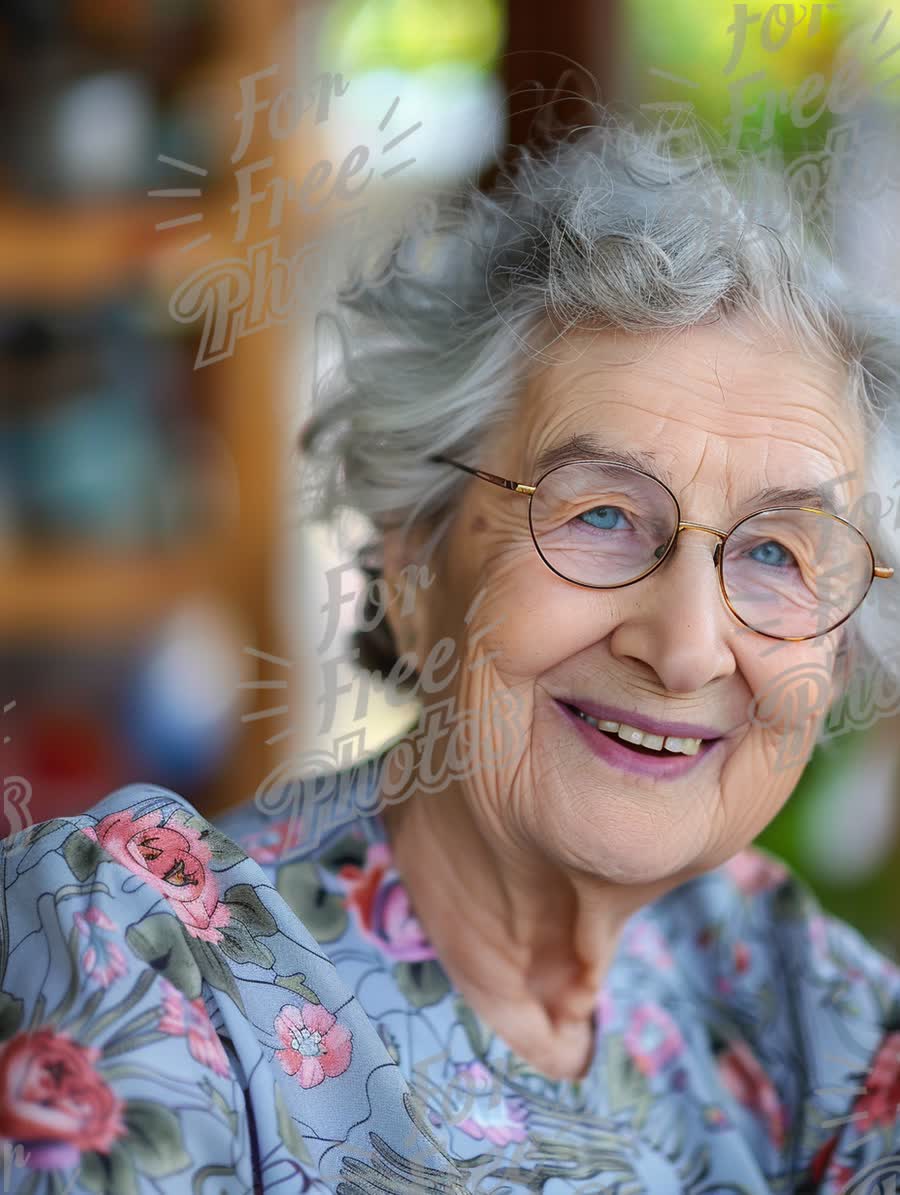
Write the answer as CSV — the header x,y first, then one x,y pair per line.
x,y
616,442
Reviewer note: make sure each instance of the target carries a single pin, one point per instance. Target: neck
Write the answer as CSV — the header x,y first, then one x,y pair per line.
x,y
526,942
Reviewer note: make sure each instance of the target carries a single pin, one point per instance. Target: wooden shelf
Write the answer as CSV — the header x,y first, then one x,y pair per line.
x,y
60,253
64,254
85,593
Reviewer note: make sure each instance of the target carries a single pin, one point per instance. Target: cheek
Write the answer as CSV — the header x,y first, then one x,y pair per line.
x,y
792,686
790,691
535,621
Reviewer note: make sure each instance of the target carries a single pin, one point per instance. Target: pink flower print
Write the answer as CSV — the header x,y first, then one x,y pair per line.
x,y
818,933
647,943
490,1116
188,1018
52,1097
743,1076
316,1046
741,957
652,1038
877,1108
103,960
172,859
605,1010
381,904
753,871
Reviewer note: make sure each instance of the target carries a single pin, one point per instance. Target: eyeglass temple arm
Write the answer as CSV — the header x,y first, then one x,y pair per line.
x,y
516,486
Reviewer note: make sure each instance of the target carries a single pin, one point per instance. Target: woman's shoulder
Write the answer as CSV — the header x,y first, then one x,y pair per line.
x,y
757,897
95,1037
802,1012
164,1012
754,927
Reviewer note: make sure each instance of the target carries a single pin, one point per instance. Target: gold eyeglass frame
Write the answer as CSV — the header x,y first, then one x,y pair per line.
x,y
882,571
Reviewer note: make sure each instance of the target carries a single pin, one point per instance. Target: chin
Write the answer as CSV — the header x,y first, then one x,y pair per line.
x,y
616,843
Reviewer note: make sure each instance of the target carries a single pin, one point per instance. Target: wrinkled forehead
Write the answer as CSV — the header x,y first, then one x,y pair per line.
x,y
727,393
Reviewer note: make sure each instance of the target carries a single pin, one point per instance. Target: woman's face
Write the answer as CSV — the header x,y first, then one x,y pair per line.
x,y
725,418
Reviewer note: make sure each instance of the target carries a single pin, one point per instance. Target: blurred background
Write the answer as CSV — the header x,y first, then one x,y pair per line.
x,y
178,178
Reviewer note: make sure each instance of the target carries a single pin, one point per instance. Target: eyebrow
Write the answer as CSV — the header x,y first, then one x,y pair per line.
x,y
587,448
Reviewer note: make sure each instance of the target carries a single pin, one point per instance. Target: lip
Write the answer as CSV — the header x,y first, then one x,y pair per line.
x,y
611,713
616,753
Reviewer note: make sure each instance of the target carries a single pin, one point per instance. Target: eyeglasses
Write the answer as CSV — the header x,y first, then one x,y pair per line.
x,y
789,573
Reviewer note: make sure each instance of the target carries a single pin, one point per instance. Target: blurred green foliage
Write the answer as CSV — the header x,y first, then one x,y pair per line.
x,y
870,904
409,35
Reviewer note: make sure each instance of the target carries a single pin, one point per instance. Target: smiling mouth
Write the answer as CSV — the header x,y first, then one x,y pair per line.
x,y
640,742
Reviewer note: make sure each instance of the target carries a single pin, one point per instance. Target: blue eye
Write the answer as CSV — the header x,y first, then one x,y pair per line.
x,y
600,516
779,558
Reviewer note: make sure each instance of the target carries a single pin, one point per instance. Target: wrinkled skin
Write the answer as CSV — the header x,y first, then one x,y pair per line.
x,y
523,873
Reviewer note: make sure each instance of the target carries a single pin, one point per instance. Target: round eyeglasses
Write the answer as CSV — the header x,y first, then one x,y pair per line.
x,y
790,573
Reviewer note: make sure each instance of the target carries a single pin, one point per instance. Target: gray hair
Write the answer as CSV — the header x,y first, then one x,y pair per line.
x,y
646,230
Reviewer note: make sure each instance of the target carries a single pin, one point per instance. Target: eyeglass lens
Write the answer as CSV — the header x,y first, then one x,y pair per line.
x,y
791,573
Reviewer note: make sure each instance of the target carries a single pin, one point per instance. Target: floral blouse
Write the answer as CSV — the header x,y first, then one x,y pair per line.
x,y
242,1008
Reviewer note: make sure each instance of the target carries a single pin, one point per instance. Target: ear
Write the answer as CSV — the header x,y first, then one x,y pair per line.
x,y
405,598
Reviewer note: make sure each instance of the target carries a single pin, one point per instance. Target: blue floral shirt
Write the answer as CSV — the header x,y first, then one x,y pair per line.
x,y
250,1007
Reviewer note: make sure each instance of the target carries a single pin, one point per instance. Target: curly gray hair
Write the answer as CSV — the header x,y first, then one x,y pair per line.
x,y
613,227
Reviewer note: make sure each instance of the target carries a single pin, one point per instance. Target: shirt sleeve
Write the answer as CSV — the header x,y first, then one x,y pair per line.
x,y
168,1025
113,1077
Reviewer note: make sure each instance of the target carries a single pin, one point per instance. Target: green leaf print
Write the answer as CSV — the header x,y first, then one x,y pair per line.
x,y
214,970
105,1173
239,943
288,1131
349,849
322,912
160,941
225,852
244,904
82,854
422,983
627,1086
11,1012
472,1029
154,1139
229,1115
297,983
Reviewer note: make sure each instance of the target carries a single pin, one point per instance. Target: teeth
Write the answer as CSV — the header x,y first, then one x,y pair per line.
x,y
646,740
656,742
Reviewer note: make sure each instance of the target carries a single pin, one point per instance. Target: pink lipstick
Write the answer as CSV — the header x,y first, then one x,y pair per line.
x,y
618,754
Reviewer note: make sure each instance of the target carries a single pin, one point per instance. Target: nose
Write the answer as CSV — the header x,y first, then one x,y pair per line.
x,y
675,620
